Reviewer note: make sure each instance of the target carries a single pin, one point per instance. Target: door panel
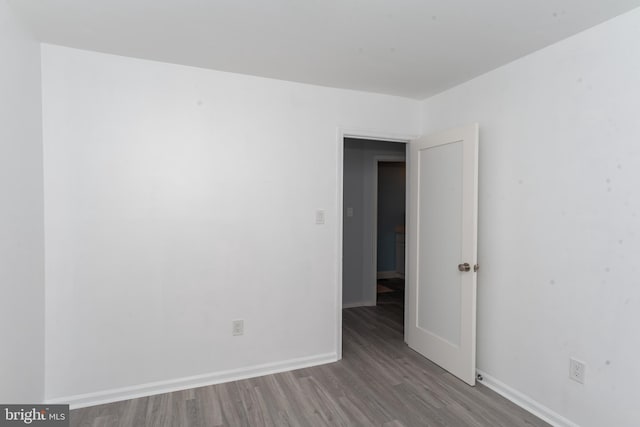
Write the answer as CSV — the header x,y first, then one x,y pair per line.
x,y
441,216
442,233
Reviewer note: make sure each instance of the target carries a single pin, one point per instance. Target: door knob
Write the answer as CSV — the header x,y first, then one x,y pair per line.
x,y
464,267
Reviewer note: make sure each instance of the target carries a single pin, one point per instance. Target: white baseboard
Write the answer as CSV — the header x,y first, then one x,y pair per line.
x,y
149,389
389,275
525,402
359,304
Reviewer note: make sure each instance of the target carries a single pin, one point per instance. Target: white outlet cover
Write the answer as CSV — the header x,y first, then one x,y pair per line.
x,y
319,216
577,370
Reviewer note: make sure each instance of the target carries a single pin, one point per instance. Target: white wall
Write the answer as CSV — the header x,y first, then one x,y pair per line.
x,y
173,193
172,196
21,215
560,220
359,263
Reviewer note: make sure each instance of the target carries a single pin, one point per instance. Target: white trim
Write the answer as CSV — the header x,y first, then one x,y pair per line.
x,y
376,136
525,402
359,304
339,223
389,275
343,133
159,387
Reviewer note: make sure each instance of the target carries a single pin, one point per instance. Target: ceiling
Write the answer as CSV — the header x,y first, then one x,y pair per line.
x,y
411,48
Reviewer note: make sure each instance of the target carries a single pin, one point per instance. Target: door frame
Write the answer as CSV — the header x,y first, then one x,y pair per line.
x,y
343,133
382,158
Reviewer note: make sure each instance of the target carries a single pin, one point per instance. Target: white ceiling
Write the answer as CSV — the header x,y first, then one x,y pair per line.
x,y
411,48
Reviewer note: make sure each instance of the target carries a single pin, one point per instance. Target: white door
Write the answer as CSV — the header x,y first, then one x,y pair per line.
x,y
442,241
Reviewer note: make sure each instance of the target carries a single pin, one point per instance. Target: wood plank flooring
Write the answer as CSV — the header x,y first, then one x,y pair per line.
x,y
379,382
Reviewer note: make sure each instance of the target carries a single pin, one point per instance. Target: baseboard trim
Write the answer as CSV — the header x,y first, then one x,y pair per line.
x,y
150,389
525,402
389,275
359,304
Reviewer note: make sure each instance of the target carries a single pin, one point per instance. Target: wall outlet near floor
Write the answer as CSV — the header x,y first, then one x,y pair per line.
x,y
577,370
237,327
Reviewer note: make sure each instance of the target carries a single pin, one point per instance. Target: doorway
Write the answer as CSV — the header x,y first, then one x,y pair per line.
x,y
389,226
373,219
439,320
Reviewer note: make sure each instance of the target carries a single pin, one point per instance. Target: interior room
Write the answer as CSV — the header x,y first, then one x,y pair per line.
x,y
189,226
390,231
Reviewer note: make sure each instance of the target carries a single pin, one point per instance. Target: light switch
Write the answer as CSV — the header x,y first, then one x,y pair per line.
x,y
319,216
349,212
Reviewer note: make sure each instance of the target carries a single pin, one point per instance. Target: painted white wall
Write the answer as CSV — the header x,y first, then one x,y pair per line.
x,y
172,195
359,264
559,220
21,215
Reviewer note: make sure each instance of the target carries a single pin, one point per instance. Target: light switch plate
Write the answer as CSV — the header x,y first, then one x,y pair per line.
x,y
237,327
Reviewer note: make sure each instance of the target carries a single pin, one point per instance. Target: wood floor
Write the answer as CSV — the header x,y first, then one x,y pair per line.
x,y
379,382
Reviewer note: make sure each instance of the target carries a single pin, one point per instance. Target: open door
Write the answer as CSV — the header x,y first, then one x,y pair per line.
x,y
442,249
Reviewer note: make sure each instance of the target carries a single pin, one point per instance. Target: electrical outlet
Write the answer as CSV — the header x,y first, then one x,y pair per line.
x,y
577,370
237,327
320,216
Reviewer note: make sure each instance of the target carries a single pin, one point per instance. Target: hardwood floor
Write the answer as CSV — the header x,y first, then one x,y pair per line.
x,y
379,382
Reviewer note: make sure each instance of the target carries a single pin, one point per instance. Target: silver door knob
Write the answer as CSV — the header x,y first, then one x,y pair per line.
x,y
464,267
